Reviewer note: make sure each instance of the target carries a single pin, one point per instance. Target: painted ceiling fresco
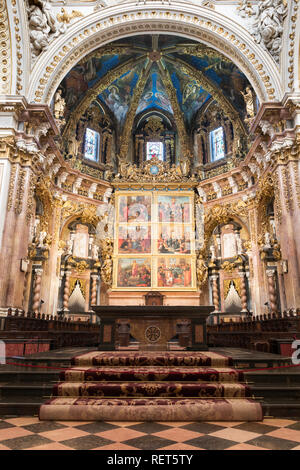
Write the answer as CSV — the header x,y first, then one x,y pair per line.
x,y
137,53
155,94
191,97
86,74
224,74
118,95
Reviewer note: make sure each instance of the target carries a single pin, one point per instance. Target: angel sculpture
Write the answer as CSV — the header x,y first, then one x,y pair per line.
x,y
59,105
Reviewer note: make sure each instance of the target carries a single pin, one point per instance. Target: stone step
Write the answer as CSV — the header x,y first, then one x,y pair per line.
x,y
28,377
281,410
21,390
20,408
273,378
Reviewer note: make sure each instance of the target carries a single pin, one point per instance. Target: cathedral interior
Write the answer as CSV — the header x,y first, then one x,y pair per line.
x,y
150,197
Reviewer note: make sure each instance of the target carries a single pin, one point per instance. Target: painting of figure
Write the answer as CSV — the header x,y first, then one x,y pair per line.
x,y
174,209
174,239
134,272
119,94
134,239
174,272
135,208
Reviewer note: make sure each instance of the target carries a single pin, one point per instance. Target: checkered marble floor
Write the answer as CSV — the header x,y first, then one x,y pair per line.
x,y
29,433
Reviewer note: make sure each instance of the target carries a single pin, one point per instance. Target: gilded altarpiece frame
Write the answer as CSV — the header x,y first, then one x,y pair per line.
x,y
154,247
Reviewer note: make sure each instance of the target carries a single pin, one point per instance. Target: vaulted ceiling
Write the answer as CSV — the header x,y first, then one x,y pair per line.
x,y
164,73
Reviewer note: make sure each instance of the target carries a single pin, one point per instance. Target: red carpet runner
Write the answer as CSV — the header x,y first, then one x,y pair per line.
x,y
151,386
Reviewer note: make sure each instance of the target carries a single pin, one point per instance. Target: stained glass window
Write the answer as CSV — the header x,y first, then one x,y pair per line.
x,y
91,145
155,150
217,144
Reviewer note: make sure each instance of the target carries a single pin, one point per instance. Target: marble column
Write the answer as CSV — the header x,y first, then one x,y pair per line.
x,y
244,299
215,292
94,289
37,290
66,294
15,237
272,290
256,268
287,216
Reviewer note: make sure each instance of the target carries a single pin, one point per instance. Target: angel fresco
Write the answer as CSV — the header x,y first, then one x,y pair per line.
x,y
118,95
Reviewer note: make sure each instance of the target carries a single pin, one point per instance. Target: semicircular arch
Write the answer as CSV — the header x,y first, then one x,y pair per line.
x,y
198,23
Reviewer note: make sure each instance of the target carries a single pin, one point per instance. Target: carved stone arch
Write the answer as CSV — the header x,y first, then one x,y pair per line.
x,y
236,225
221,215
73,224
154,125
188,20
19,48
6,75
149,112
290,54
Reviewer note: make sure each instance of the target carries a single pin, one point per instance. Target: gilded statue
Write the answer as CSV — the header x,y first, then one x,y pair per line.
x,y
107,246
185,165
73,146
123,168
174,173
106,271
202,271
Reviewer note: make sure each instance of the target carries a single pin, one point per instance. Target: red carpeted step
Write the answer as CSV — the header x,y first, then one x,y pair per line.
x,y
151,386
145,374
98,409
151,389
157,358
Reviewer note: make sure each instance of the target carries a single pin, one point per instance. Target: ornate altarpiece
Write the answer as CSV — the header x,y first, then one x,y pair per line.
x,y
154,245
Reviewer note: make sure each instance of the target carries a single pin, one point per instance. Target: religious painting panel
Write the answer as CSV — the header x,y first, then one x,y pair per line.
x,y
135,208
174,209
134,239
134,272
174,238
174,272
